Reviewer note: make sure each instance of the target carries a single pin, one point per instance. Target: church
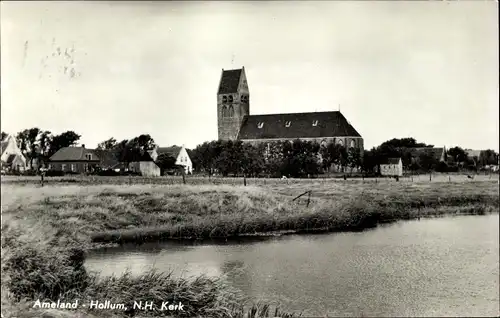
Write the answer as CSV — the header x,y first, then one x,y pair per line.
x,y
235,122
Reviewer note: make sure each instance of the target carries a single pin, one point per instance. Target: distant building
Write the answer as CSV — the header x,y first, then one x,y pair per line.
x,y
438,154
179,153
12,159
391,167
236,123
74,160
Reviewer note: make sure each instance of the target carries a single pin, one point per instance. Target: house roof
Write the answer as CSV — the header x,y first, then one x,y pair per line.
x,y
10,159
435,152
301,125
229,81
4,146
171,151
472,153
390,161
73,154
108,158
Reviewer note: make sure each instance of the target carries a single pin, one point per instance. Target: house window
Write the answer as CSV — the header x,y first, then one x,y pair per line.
x,y
353,144
63,167
88,156
315,123
340,142
50,166
260,125
73,167
323,143
86,167
288,123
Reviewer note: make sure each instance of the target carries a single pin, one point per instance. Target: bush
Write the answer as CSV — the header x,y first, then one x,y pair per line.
x,y
54,173
108,172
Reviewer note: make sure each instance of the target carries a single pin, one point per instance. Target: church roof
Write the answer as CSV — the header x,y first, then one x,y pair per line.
x,y
229,81
296,125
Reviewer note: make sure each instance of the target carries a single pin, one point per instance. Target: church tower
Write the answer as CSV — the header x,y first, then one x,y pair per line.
x,y
233,103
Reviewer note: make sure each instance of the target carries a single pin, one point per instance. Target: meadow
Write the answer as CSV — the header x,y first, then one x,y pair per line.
x,y
45,230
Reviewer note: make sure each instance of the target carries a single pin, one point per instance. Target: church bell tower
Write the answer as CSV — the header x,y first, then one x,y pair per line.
x,y
233,103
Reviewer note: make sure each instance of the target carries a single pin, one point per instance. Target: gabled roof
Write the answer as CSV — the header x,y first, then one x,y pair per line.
x,y
229,81
73,154
10,159
171,151
108,158
434,152
296,125
390,161
4,146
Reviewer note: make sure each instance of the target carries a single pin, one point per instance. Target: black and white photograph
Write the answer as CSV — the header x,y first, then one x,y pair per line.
x,y
249,159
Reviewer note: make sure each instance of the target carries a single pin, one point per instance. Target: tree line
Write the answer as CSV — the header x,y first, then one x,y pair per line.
x,y
298,158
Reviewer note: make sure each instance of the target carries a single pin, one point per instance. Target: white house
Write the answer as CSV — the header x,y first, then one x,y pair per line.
x,y
179,153
392,167
12,158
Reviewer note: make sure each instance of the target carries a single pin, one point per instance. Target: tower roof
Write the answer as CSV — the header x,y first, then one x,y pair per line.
x,y
229,81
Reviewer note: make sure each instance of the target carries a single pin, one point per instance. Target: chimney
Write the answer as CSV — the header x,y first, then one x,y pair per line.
x,y
83,145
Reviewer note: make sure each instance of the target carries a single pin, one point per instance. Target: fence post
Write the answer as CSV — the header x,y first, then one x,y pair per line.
x,y
245,180
308,199
430,176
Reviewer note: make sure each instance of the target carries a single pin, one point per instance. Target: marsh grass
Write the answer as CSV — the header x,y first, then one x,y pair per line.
x,y
44,228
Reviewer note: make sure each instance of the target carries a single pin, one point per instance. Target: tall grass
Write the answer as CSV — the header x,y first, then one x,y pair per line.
x,y
45,230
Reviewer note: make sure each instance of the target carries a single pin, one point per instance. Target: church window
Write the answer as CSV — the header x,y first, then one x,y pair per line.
x,y
353,144
224,112
230,98
315,123
288,123
260,125
340,142
230,111
224,99
323,143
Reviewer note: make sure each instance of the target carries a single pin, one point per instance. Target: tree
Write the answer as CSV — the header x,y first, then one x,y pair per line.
x,y
369,161
458,154
107,144
427,162
22,142
165,162
66,139
32,140
44,142
487,157
353,158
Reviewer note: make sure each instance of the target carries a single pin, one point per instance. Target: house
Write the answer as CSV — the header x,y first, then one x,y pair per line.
x,y
74,159
473,155
12,158
179,153
236,123
144,164
391,167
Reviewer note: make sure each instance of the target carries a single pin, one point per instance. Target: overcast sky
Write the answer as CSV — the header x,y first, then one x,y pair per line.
x,y
420,69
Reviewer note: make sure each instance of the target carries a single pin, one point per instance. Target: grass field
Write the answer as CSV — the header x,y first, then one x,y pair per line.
x,y
43,228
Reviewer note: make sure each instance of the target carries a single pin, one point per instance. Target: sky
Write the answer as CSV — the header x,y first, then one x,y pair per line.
x,y
422,69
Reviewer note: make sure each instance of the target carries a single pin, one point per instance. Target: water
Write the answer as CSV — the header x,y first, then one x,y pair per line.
x,y
434,267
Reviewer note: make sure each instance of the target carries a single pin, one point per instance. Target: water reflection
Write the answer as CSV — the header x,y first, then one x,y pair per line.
x,y
446,266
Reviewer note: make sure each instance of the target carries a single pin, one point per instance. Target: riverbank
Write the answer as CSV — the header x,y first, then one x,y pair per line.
x,y
44,228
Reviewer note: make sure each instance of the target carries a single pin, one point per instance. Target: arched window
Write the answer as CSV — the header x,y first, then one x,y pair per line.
x,y
224,111
340,142
353,144
323,143
230,112
224,99
230,98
